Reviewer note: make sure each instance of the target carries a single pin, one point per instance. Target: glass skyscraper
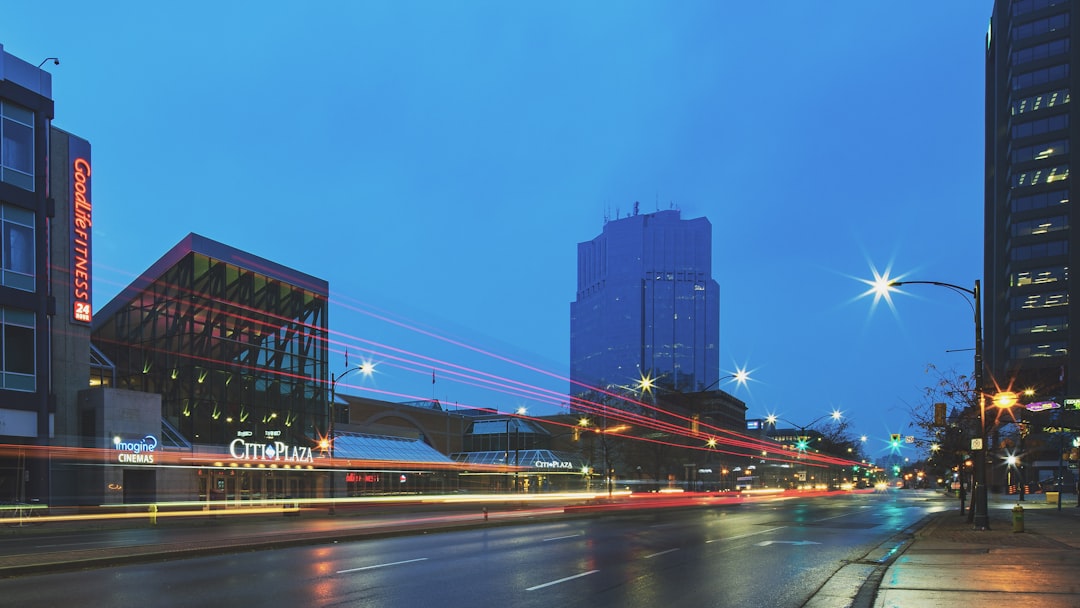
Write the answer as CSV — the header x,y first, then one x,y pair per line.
x,y
646,306
1031,341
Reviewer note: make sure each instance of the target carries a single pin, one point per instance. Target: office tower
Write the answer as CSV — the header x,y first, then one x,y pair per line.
x,y
1030,244
647,305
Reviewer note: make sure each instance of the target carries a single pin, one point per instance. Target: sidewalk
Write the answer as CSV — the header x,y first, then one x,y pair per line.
x,y
950,563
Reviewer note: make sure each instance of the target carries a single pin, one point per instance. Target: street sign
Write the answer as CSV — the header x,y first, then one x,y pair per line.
x,y
977,443
1072,404
1042,406
909,439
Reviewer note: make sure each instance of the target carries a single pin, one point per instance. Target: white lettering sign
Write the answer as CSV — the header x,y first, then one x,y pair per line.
x,y
275,450
554,464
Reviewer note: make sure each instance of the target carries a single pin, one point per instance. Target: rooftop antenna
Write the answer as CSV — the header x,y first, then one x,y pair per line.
x,y
55,61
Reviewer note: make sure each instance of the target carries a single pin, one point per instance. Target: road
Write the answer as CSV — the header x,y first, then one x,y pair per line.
x,y
768,553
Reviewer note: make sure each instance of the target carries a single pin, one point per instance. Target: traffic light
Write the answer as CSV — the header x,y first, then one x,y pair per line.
x,y
894,440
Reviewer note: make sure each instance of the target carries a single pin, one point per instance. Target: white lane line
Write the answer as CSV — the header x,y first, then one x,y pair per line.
x,y
408,561
562,537
833,517
716,540
562,580
661,553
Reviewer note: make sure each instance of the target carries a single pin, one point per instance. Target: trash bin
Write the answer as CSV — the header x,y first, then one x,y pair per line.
x,y
1052,497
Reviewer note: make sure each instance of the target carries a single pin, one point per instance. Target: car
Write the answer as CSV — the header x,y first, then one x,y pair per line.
x,y
1053,484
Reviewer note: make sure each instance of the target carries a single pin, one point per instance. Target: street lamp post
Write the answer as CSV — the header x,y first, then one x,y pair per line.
x,y
740,377
979,506
603,431
802,444
364,368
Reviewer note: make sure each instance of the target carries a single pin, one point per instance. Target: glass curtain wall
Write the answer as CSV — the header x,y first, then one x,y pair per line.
x,y
229,350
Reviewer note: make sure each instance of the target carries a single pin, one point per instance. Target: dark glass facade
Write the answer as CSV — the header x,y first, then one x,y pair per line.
x,y
646,306
1030,316
235,345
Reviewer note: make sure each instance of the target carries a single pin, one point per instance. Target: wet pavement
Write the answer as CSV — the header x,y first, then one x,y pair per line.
x,y
942,561
950,563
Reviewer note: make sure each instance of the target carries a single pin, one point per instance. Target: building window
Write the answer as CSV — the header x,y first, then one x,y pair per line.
x,y
1041,51
1035,301
16,145
1042,151
1038,127
1041,226
16,247
1046,325
1039,250
1029,351
17,349
1040,101
1023,7
1039,276
1041,175
1041,200
1041,76
1049,24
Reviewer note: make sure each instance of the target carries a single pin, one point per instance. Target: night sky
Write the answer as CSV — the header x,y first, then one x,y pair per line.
x,y
438,162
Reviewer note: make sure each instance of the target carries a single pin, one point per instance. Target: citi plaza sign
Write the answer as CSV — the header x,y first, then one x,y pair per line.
x,y
273,451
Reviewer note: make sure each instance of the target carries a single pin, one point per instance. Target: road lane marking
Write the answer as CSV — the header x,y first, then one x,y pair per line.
x,y
661,553
562,537
716,540
766,543
408,561
562,580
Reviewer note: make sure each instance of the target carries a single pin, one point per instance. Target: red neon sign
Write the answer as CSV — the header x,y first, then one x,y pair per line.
x,y
80,240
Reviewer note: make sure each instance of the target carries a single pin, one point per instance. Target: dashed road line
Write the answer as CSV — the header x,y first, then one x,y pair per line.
x,y
408,561
562,580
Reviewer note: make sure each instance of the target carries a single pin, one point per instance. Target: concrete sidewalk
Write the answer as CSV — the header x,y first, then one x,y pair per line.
x,y
950,563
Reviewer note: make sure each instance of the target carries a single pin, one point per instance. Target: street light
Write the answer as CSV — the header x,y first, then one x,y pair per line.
x,y
802,443
979,506
365,368
603,432
740,376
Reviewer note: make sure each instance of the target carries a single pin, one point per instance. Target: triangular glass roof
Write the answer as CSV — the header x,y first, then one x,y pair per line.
x,y
362,446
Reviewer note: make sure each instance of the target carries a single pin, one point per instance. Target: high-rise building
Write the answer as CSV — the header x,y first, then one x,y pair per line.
x,y
1032,339
45,282
647,305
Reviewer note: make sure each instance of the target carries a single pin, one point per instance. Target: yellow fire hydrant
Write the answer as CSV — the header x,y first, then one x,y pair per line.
x,y
153,514
1018,518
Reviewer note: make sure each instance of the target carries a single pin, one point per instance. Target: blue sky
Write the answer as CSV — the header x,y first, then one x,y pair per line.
x,y
438,162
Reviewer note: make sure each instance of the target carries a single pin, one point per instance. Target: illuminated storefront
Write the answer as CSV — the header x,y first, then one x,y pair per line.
x,y
235,346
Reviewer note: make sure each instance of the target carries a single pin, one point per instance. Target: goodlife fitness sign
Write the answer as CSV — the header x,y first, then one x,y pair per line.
x,y
81,209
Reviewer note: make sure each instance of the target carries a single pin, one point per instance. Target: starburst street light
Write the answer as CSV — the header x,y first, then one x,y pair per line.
x,y
366,369
802,444
647,383
881,286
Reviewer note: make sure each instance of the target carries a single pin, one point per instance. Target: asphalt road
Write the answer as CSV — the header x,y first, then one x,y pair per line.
x,y
769,553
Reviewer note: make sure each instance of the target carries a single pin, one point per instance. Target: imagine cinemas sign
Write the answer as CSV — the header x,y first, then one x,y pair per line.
x,y
139,451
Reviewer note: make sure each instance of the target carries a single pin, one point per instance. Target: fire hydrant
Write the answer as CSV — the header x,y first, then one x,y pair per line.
x,y
1018,518
153,514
